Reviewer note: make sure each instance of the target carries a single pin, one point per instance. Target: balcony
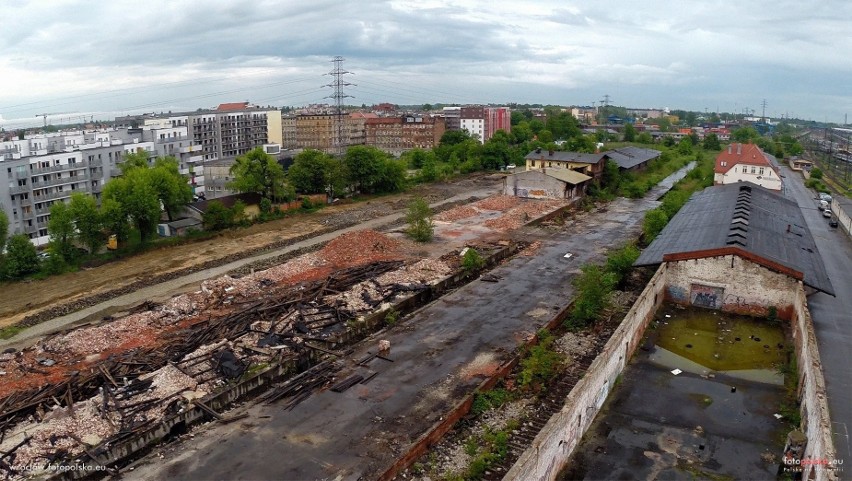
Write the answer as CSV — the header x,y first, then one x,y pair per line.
x,y
190,149
59,168
19,189
55,195
55,182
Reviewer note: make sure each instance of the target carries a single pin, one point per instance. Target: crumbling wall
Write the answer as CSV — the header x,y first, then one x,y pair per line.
x,y
816,423
552,448
743,286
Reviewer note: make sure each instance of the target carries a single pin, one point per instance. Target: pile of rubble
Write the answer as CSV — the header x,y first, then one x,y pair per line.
x,y
358,248
497,202
523,213
456,213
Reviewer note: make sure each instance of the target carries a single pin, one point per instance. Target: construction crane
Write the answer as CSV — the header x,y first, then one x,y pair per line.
x,y
44,116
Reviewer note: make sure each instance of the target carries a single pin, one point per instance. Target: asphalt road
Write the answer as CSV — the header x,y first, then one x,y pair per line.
x,y
832,315
440,354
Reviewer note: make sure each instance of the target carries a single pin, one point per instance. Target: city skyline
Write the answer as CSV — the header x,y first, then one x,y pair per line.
x,y
73,58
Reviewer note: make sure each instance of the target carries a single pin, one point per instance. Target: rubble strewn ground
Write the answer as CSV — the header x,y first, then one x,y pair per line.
x,y
229,323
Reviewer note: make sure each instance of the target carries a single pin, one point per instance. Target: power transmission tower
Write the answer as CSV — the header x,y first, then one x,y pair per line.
x,y
604,106
338,84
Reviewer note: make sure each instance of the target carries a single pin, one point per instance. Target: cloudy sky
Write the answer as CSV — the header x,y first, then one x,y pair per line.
x,y
69,58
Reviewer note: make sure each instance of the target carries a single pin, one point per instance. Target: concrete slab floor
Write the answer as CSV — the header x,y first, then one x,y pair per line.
x,y
656,425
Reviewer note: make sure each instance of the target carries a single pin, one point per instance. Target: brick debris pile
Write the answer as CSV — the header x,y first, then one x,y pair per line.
x,y
519,215
360,247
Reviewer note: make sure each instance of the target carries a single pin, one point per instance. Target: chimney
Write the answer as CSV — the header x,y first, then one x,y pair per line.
x,y
739,149
788,228
729,148
538,150
550,153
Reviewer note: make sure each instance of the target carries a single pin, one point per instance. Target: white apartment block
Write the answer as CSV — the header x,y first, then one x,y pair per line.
x,y
42,169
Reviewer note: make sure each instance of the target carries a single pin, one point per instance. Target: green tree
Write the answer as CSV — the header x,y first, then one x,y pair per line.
x,y
645,138
134,160
744,134
545,136
314,171
711,142
258,172
684,147
429,169
60,227
137,199
371,170
629,133
816,173
114,218
87,220
217,216
4,229
453,137
593,287
416,157
392,176
419,218
173,190
620,261
522,132
795,148
495,152
654,223
21,257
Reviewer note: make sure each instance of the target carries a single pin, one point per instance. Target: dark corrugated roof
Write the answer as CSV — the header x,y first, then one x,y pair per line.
x,y
748,217
629,157
558,155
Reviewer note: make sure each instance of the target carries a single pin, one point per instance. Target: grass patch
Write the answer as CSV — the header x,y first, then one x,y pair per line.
x,y
9,332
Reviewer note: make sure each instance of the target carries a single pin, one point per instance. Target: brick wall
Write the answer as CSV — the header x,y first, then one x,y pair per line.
x,y
745,287
816,423
553,446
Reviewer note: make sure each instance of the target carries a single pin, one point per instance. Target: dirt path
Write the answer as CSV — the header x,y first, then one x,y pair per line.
x,y
18,300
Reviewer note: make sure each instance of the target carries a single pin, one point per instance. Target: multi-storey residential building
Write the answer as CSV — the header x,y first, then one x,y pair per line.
x,y
482,122
171,138
452,118
747,162
43,169
472,119
288,131
315,131
396,135
356,127
585,115
230,130
497,118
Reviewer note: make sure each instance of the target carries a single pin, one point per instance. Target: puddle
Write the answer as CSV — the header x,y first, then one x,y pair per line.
x,y
704,341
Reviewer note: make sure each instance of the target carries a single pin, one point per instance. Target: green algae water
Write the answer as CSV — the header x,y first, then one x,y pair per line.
x,y
718,341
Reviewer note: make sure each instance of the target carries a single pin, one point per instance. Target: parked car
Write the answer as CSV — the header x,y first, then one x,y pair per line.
x,y
511,166
822,205
827,213
825,197
832,222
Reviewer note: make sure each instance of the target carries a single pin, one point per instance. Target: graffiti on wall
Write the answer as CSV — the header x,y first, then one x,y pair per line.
x,y
706,296
676,293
